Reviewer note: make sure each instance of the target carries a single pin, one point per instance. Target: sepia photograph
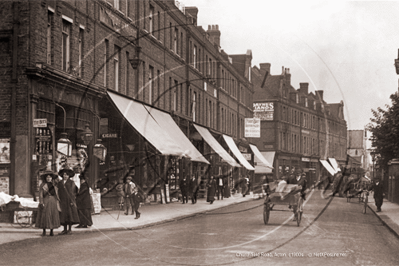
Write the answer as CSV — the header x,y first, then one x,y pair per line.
x,y
199,132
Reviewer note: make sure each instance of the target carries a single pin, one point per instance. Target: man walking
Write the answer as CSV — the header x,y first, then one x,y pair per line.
x,y
128,189
220,187
184,189
193,189
378,193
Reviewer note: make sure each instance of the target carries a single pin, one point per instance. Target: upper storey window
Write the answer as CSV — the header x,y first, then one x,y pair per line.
x,y
66,48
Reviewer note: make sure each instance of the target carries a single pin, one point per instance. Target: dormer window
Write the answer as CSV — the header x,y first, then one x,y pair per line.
x,y
296,98
314,105
306,102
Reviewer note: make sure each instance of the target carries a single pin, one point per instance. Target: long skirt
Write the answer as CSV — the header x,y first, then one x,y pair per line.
x,y
85,217
48,217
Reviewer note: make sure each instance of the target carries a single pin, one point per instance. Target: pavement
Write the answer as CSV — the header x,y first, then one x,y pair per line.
x,y
151,214
156,213
389,214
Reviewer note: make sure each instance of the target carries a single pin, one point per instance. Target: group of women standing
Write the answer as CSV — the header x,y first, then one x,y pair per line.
x,y
62,203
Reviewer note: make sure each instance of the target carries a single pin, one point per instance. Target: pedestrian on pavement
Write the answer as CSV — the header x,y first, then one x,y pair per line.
x,y
48,216
120,193
220,187
211,190
378,193
184,189
83,201
67,194
245,186
226,188
129,189
193,185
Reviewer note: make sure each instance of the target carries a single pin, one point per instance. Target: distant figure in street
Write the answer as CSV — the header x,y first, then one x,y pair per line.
x,y
211,190
226,188
184,189
83,201
378,193
120,193
67,194
193,185
300,180
220,187
129,189
48,216
245,186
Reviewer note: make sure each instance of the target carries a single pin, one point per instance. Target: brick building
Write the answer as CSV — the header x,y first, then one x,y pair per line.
x,y
297,126
69,66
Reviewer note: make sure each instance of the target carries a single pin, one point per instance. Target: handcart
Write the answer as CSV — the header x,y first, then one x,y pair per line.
x,y
23,216
290,197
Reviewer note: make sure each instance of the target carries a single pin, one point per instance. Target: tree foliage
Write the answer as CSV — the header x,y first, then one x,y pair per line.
x,y
384,127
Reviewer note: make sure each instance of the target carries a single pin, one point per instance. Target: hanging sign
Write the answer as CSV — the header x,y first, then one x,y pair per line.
x,y
41,122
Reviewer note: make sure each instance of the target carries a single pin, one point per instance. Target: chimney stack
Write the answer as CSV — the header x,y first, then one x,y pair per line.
x,y
319,95
214,34
288,76
193,12
304,87
265,67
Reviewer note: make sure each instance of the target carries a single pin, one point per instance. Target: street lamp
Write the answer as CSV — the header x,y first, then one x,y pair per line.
x,y
64,145
99,150
86,135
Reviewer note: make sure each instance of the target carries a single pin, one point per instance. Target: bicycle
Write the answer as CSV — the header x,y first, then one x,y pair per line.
x,y
365,199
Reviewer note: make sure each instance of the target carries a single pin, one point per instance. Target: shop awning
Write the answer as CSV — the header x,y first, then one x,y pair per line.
x,y
207,136
170,126
233,147
137,115
328,167
261,164
334,164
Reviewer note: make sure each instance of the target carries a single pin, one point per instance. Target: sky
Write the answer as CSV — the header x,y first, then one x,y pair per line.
x,y
347,49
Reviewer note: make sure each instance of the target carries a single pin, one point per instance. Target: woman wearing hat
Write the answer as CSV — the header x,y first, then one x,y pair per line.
x,y
67,194
48,216
83,202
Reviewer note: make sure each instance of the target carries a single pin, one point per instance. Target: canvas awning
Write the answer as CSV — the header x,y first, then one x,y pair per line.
x,y
328,167
207,136
233,147
261,164
170,126
139,118
334,164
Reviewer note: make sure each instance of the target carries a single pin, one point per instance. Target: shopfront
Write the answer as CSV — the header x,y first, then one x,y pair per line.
x,y
148,145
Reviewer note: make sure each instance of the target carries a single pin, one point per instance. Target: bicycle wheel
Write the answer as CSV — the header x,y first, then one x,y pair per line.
x,y
266,213
365,204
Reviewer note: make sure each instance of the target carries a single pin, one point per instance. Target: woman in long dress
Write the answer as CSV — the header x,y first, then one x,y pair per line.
x,y
48,216
67,194
211,190
83,202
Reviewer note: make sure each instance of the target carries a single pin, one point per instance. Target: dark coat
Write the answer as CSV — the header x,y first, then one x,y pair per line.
x,y
378,190
193,186
184,186
67,195
301,182
211,190
83,200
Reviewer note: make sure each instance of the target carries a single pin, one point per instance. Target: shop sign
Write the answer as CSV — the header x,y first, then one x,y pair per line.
x,y
5,150
305,159
5,180
247,156
252,127
109,136
40,122
264,111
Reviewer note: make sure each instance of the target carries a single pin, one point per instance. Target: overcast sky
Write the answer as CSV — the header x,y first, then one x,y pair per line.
x,y
345,48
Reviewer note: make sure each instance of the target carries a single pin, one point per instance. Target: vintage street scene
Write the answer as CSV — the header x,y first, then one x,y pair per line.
x,y
199,132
